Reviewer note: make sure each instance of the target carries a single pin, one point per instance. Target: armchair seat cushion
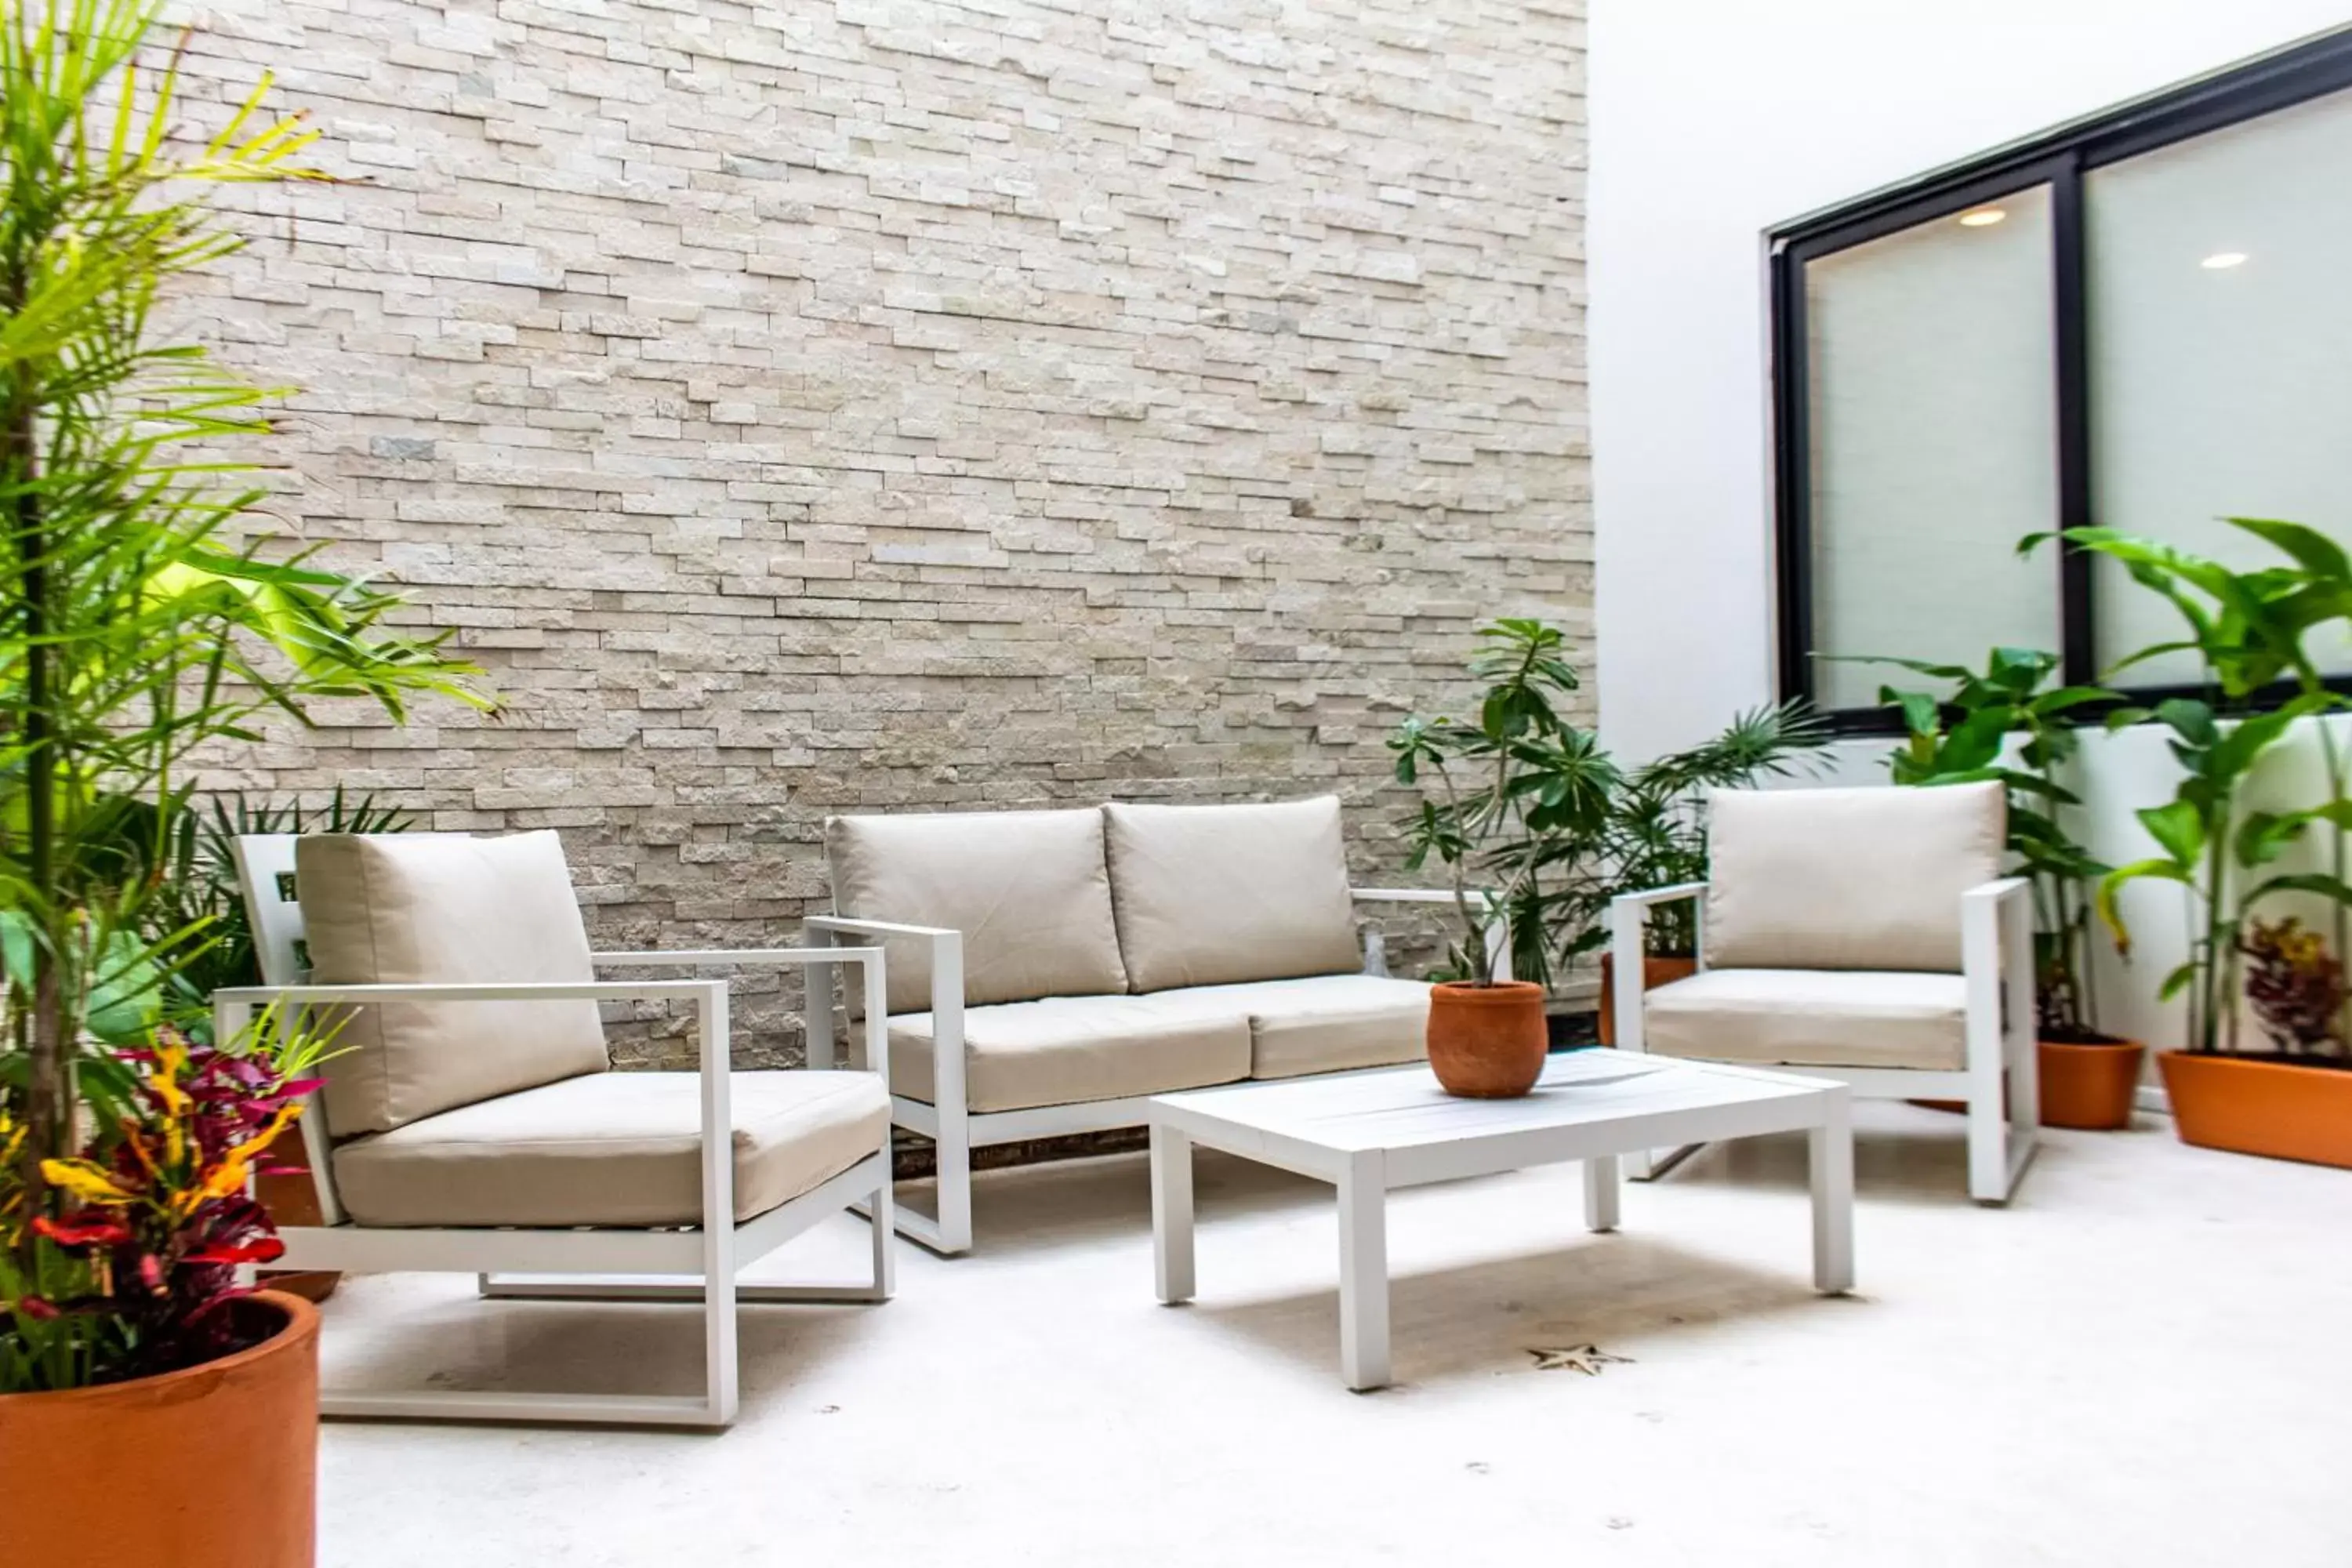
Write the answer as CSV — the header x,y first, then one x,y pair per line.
x,y
621,1148
1819,1018
1319,1023
1067,1050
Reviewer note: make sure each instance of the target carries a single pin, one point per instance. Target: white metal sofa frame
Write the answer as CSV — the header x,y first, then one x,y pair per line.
x,y
1999,1080
948,1122
578,1264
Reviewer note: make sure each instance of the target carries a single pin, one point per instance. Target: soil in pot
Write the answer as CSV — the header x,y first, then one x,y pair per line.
x,y
2288,1108
1487,1042
1655,972
210,1467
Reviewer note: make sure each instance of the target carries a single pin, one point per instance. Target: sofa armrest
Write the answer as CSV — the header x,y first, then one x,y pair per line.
x,y
947,1003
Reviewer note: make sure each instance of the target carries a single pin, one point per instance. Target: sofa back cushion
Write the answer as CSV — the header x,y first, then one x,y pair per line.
x,y
1209,895
1847,879
1027,889
385,908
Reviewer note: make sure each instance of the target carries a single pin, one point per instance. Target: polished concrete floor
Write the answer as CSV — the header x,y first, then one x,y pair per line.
x,y
2146,1360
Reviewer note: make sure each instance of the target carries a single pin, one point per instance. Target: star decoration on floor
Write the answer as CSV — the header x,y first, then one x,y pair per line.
x,y
1586,1359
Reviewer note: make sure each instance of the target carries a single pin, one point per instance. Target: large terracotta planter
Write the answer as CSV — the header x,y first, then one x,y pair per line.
x,y
1655,972
213,1466
2090,1086
1487,1042
2282,1109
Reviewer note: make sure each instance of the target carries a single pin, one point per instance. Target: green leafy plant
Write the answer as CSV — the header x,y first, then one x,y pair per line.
x,y
1964,733
2251,632
1509,786
144,616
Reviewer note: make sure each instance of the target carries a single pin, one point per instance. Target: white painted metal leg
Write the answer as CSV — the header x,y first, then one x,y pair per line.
x,y
882,1215
1364,1273
1833,1180
1601,1194
1171,1214
719,1351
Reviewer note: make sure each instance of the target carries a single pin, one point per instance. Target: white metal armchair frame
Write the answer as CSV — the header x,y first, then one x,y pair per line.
x,y
1998,1082
682,1264
954,1130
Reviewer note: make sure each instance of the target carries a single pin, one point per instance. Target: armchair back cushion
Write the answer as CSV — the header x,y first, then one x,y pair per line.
x,y
1211,895
1028,889
386,908
1847,879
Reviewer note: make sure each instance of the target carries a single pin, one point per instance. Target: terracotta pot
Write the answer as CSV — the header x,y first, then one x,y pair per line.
x,y
1655,972
1487,1042
2282,1109
2089,1086
212,1467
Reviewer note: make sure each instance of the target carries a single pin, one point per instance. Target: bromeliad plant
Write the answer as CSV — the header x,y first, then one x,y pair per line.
x,y
144,617
1964,733
1511,788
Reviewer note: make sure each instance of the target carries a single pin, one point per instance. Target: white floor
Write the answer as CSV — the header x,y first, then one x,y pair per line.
x,y
2146,1360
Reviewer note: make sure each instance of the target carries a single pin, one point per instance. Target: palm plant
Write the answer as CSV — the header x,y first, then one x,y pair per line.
x,y
143,616
1963,735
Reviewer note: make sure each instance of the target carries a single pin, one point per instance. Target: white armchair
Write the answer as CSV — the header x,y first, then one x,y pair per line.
x,y
468,1123
1865,935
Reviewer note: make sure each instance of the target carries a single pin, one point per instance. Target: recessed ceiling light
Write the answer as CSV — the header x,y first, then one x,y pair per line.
x,y
1983,218
2224,258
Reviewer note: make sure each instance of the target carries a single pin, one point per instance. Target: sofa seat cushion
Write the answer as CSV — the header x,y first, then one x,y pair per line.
x,y
1320,1023
1029,890
1797,1017
1211,895
1066,1051
611,1149
410,908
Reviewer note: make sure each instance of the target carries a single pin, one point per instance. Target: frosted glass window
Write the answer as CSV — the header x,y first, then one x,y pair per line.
x,y
1932,423
2220,329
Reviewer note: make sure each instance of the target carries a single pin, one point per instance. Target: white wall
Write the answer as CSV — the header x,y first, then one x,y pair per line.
x,y
1715,120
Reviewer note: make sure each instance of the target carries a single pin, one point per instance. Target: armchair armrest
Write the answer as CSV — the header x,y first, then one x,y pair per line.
x,y
1666,895
817,961
1629,915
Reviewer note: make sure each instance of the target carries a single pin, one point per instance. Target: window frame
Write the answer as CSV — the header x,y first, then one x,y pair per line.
x,y
2059,159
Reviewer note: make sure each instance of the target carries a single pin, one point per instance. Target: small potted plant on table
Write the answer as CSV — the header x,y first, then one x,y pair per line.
x,y
1529,782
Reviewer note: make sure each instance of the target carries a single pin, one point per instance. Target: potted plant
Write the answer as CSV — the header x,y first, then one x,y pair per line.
x,y
1510,786
1655,837
141,624
2012,724
2249,629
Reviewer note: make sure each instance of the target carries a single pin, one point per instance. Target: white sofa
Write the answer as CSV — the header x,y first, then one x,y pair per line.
x,y
1050,971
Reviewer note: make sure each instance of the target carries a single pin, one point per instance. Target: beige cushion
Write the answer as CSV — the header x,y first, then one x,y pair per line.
x,y
1321,1023
1066,1051
1847,879
614,1149
421,907
1028,890
1208,895
1826,1017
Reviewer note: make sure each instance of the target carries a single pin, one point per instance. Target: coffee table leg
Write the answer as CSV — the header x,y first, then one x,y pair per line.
x,y
1601,1193
1364,1273
1832,1171
1171,1213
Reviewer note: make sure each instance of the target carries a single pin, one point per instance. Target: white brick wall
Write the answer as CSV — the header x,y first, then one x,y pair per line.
x,y
804,407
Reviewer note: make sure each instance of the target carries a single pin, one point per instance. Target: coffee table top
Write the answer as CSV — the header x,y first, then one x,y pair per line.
x,y
1402,1108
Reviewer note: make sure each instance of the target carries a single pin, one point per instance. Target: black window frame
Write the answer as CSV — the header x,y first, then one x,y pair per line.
x,y
2058,159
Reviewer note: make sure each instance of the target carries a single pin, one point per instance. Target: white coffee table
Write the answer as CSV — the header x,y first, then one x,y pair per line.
x,y
1366,1132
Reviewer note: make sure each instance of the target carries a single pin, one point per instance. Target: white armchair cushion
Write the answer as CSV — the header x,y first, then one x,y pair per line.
x,y
1208,895
1068,1050
1847,879
1819,1018
615,1149
382,909
1028,889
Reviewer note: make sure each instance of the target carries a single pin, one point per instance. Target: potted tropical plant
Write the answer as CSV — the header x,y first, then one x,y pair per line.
x,y
2013,722
1655,837
1517,780
2250,630
144,623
